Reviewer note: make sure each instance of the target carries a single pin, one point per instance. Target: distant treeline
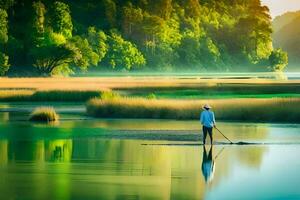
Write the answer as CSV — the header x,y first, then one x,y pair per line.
x,y
286,36
46,37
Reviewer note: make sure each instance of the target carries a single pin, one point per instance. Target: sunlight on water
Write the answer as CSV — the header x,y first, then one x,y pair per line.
x,y
129,159
44,165
110,169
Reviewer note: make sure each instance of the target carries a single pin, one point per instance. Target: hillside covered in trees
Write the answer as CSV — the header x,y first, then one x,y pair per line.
x,y
49,37
286,36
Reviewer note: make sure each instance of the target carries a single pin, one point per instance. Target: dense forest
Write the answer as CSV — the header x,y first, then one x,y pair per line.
x,y
286,36
46,37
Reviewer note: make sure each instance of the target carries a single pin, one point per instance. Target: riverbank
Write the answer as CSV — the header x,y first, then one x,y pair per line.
x,y
100,83
29,95
253,110
83,89
91,161
233,99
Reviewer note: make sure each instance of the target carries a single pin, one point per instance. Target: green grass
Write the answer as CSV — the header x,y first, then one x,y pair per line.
x,y
82,96
160,87
109,95
254,110
66,95
217,91
15,94
44,114
199,95
216,87
51,95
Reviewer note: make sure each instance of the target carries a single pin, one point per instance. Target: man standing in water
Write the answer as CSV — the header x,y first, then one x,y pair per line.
x,y
208,121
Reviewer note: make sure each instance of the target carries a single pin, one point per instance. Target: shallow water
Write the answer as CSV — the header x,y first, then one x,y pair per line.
x,y
80,158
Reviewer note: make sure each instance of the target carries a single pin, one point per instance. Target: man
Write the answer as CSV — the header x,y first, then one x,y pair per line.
x,y
208,121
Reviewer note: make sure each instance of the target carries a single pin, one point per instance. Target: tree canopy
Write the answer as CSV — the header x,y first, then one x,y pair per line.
x,y
278,60
286,37
48,37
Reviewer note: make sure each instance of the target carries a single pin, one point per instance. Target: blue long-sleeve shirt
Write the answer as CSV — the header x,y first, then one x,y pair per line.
x,y
207,118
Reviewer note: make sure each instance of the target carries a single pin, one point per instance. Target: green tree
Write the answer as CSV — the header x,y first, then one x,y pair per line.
x,y
88,56
5,4
166,38
54,54
48,59
51,51
61,20
192,8
3,26
38,24
110,12
4,66
152,30
162,8
254,32
209,54
278,60
189,50
97,40
160,34
131,17
123,54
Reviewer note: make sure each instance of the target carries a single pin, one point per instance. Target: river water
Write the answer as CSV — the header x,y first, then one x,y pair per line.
x,y
83,158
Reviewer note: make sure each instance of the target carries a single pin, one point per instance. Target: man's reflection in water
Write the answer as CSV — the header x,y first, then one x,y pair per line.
x,y
208,165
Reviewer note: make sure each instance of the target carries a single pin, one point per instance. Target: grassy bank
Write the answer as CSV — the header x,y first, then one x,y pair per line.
x,y
256,110
52,95
26,95
83,89
204,94
103,83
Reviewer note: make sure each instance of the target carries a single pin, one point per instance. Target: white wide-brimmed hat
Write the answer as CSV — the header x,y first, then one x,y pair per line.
x,y
207,106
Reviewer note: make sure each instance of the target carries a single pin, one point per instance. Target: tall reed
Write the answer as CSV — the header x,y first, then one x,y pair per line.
x,y
47,95
256,110
44,114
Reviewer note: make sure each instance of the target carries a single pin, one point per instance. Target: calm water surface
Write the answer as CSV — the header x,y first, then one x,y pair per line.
x,y
80,158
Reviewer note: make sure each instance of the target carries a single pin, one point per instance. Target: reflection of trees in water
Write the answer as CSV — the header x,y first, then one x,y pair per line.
x,y
187,181
4,117
251,156
127,167
39,183
26,150
147,168
240,155
154,160
38,151
58,150
3,152
239,132
126,124
176,171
